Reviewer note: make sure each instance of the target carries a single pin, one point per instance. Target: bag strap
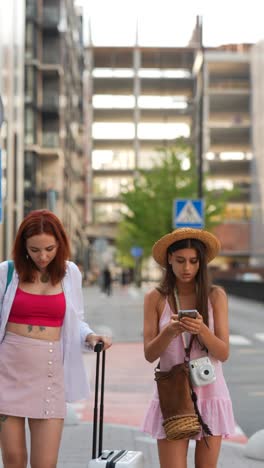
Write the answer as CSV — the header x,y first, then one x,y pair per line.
x,y
205,427
187,348
10,271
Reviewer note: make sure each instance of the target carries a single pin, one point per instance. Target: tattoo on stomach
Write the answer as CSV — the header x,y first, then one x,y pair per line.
x,y
41,328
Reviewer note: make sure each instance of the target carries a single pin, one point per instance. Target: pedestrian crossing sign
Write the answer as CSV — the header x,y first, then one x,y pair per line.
x,y
188,213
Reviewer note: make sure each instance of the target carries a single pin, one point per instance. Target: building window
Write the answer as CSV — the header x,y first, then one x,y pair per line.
x,y
163,131
110,159
30,85
111,187
162,102
108,212
29,126
30,41
112,101
113,131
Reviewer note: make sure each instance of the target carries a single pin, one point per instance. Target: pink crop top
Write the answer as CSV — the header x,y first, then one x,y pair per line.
x,y
38,309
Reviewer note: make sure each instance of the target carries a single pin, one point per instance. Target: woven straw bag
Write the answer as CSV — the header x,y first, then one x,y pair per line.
x,y
176,402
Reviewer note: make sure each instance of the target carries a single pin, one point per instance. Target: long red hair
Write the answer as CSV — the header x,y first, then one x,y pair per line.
x,y
35,223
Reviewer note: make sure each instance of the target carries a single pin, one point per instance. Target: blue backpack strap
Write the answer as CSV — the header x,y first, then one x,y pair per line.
x,y
10,272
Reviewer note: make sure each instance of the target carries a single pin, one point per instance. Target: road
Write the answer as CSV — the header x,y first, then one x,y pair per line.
x,y
244,370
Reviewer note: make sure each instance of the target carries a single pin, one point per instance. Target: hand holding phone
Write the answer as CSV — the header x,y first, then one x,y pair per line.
x,y
191,313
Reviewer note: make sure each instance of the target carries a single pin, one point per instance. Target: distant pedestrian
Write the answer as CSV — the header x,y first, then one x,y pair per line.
x,y
41,334
184,254
107,281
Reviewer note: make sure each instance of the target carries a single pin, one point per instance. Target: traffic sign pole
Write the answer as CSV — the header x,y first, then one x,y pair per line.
x,y
137,253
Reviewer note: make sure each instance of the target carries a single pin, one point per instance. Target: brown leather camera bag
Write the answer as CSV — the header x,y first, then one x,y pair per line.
x,y
178,401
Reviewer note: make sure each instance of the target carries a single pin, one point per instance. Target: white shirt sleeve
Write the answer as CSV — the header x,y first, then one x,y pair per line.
x,y
3,278
78,301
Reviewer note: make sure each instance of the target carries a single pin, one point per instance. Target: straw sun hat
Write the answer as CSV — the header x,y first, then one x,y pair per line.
x,y
159,249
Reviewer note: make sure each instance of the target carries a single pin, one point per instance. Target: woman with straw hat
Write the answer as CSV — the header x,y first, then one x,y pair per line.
x,y
184,254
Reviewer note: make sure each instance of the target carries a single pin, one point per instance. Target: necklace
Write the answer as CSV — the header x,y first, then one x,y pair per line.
x,y
44,277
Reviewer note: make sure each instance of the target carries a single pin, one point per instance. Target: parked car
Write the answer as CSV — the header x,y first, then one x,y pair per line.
x,y
250,276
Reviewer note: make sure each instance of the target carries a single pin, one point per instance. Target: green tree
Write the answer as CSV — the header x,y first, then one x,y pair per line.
x,y
150,201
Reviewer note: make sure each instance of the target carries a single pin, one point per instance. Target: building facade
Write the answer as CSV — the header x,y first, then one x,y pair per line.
x,y
143,98
12,33
140,99
257,225
227,149
54,163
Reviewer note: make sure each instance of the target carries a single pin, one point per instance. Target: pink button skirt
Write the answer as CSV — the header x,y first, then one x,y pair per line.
x,y
31,378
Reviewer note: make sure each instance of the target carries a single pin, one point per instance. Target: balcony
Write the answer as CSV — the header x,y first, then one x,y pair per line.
x,y
164,87
51,55
51,18
222,168
229,85
230,139
113,86
233,103
31,11
50,103
50,140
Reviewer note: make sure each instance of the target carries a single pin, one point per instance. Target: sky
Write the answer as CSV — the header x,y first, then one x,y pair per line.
x,y
169,22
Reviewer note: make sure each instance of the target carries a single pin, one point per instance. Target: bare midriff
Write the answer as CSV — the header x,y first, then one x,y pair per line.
x,y
38,332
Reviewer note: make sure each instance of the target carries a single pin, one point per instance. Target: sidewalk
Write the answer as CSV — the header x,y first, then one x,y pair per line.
x,y
76,447
128,388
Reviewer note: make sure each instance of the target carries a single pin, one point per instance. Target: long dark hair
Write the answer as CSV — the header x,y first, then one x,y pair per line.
x,y
35,223
167,284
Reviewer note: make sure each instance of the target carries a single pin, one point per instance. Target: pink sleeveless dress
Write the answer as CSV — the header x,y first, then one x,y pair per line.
x,y
214,401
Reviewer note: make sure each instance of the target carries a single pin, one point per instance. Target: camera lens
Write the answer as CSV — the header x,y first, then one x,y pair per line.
x,y
205,372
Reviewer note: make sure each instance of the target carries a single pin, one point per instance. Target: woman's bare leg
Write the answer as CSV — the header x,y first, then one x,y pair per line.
x,y
13,441
206,457
173,453
45,442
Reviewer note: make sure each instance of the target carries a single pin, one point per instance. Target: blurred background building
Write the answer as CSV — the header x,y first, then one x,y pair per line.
x,y
257,186
54,161
227,148
80,120
12,34
144,98
41,56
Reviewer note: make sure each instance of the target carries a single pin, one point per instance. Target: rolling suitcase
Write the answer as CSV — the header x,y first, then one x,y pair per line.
x,y
108,458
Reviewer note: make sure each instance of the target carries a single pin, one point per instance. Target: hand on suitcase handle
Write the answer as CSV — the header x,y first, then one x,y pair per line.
x,y
92,339
99,347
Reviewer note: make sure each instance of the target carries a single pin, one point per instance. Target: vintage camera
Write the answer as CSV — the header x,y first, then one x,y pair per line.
x,y
202,371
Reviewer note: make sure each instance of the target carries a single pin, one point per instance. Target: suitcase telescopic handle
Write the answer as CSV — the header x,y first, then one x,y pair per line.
x,y
98,348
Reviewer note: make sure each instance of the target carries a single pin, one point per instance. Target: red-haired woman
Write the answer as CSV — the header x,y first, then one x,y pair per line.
x,y
41,337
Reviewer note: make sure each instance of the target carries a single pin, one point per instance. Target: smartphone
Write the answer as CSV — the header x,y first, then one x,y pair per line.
x,y
192,313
